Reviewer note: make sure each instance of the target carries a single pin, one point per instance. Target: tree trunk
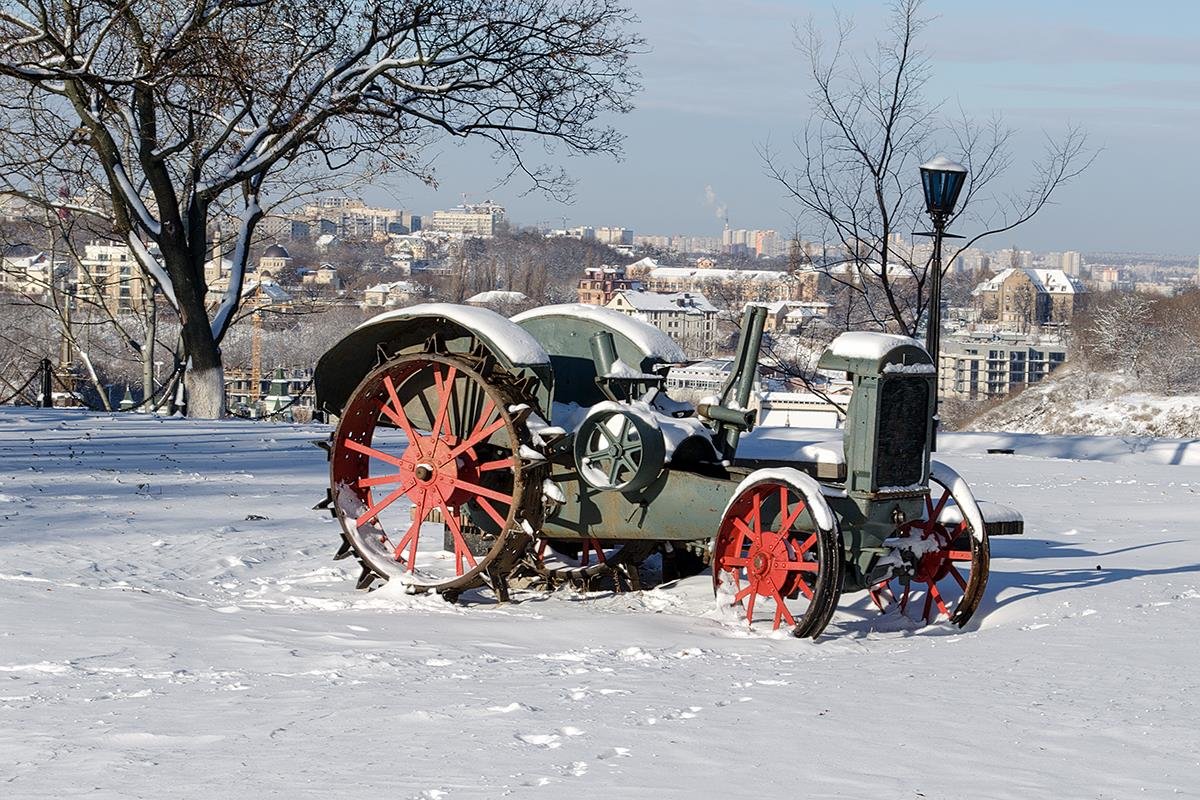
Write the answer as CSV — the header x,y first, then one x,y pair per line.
x,y
148,348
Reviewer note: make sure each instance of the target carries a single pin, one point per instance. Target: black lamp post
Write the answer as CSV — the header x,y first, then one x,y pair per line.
x,y
942,180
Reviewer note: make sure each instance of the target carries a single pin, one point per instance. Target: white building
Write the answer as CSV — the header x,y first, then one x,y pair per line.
x,y
479,219
390,295
687,317
614,235
31,274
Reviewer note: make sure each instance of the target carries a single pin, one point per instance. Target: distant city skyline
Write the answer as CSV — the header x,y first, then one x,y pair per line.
x,y
724,79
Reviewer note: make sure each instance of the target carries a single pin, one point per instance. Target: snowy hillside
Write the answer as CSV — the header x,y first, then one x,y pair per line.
x,y
173,626
1079,402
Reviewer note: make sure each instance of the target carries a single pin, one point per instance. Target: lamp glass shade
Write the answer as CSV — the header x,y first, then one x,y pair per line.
x,y
942,180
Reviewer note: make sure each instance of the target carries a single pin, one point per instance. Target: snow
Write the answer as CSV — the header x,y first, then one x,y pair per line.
x,y
152,637
516,343
649,339
497,297
621,370
909,369
868,345
812,445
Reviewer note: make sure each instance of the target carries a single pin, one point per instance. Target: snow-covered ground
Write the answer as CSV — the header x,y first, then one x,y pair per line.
x,y
1076,400
171,625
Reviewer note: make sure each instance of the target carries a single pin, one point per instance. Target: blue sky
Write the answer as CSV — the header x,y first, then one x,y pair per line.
x,y
721,78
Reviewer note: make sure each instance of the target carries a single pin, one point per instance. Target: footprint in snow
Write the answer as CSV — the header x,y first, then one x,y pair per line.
x,y
546,741
616,752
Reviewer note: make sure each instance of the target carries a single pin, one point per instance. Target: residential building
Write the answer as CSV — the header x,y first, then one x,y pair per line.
x,y
31,274
599,284
283,227
1024,299
390,295
1071,262
614,236
734,287
481,220
978,368
352,218
685,316
109,275
789,316
760,244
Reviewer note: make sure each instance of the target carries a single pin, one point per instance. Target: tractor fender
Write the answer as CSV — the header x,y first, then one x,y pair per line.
x,y
814,496
962,495
460,328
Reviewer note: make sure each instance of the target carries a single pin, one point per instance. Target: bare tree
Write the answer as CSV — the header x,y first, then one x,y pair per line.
x,y
158,117
856,186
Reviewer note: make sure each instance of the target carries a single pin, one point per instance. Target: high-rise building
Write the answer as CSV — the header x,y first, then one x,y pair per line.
x,y
475,219
351,218
109,275
612,235
1071,262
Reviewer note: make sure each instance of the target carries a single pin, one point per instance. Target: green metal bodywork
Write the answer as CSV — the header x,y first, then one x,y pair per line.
x,y
886,439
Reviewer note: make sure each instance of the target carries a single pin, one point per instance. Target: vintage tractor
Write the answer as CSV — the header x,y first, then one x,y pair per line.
x,y
471,450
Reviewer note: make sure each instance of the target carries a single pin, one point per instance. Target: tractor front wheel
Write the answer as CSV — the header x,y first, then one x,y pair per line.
x,y
773,558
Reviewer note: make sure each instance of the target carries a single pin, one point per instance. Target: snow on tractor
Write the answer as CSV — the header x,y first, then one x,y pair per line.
x,y
477,451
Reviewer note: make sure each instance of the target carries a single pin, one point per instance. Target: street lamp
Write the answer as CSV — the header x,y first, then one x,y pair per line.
x,y
942,180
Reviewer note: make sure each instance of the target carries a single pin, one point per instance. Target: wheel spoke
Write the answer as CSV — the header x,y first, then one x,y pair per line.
x,y
804,587
959,555
445,389
803,566
904,599
958,578
745,530
483,491
788,521
472,440
373,512
742,593
937,512
928,606
808,543
397,415
736,562
366,483
456,533
937,597
410,538
367,450
614,470
781,610
758,514
503,463
492,512
750,606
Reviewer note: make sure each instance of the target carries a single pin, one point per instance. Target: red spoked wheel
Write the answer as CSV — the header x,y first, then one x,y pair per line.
x,y
430,473
940,569
771,558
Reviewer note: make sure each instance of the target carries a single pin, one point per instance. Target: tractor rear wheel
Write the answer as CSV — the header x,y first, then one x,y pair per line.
x,y
433,473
